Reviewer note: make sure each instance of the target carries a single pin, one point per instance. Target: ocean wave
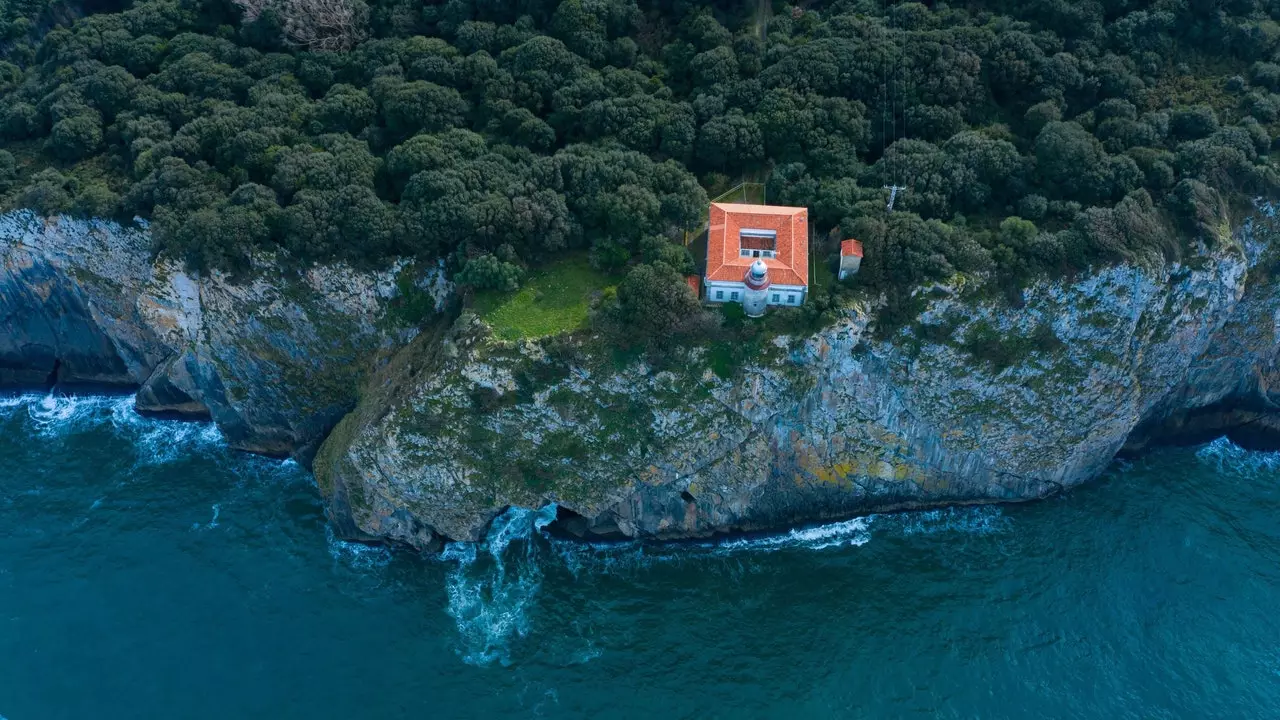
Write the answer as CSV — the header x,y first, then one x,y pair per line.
x,y
493,584
358,556
977,520
855,532
159,441
1227,457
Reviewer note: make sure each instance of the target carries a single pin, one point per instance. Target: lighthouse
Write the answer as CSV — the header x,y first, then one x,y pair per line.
x,y
756,297
757,255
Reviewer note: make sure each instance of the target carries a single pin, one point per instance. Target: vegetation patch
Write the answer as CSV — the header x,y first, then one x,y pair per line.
x,y
999,352
1045,137
556,299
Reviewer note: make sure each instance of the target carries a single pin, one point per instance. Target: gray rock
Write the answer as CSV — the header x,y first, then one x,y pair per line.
x,y
69,311
980,402
275,359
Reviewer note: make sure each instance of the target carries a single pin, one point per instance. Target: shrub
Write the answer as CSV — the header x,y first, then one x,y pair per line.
x,y
487,272
654,304
76,137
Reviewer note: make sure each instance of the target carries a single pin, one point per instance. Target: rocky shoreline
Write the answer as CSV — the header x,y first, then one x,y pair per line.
x,y
423,429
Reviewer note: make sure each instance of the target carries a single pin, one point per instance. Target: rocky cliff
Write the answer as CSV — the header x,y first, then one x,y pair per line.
x,y
980,401
275,358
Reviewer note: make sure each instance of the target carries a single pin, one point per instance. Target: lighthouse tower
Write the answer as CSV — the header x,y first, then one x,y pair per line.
x,y
756,297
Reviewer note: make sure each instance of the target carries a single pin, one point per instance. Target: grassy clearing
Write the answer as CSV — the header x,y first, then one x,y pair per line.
x,y
821,275
555,299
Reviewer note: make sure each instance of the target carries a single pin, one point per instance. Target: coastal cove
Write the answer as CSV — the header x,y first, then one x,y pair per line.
x,y
151,571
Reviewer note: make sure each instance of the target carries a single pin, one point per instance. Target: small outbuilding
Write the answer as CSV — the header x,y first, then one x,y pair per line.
x,y
850,258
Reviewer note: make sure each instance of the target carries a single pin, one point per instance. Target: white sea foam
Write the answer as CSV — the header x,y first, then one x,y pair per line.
x,y
1227,457
8,403
493,584
356,555
855,532
54,413
57,414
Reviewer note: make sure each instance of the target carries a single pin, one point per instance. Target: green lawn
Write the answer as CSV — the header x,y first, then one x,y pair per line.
x,y
555,299
822,276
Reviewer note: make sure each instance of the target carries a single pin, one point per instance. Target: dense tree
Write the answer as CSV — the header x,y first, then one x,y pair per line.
x,y
653,303
76,137
487,272
8,170
1030,136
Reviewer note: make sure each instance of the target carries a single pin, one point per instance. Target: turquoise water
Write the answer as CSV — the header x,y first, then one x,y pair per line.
x,y
148,572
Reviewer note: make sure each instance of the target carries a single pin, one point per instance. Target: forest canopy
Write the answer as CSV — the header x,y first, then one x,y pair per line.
x,y
1032,135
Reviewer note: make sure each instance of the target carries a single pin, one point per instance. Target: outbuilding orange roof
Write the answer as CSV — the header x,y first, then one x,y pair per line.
x,y
724,260
850,247
695,284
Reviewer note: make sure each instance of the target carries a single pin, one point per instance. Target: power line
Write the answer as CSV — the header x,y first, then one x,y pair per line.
x,y
893,99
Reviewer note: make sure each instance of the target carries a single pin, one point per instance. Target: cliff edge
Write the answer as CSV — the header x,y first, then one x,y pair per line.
x,y
982,400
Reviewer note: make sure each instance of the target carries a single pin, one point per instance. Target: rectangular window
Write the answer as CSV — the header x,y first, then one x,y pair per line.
x,y
775,298
791,299
719,294
744,253
734,296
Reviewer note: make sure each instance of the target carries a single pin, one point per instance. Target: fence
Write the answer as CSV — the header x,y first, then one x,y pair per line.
x,y
749,193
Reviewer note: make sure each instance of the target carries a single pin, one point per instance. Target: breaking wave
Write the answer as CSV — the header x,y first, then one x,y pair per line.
x,y
356,555
1227,457
493,586
57,414
856,532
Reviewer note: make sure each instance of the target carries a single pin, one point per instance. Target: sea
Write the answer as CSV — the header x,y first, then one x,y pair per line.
x,y
148,571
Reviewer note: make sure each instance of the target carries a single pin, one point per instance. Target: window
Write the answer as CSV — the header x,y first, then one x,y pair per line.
x,y
791,299
734,296
775,298
719,294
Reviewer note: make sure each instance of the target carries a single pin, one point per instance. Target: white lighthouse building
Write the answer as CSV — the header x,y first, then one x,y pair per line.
x,y
757,255
755,297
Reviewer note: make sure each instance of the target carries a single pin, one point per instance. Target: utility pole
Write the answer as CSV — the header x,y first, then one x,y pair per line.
x,y
893,195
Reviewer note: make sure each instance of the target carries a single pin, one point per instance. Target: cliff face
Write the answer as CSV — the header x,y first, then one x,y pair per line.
x,y
275,359
1233,388
979,402
68,303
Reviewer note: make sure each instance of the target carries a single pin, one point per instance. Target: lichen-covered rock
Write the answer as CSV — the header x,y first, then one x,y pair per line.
x,y
979,402
1233,388
275,358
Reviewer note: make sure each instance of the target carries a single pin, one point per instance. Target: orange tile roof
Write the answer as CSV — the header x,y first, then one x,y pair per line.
x,y
725,264
851,247
695,284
